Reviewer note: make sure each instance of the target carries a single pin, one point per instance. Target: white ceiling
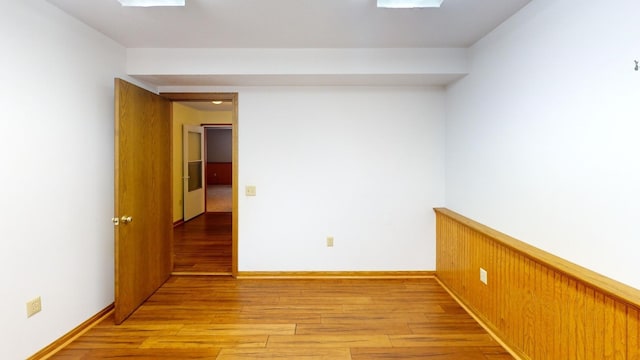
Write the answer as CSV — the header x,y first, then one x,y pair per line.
x,y
207,106
293,23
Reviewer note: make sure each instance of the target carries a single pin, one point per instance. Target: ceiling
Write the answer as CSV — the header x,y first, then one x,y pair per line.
x,y
208,106
292,23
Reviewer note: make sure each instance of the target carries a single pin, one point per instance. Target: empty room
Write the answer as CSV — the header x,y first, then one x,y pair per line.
x,y
443,179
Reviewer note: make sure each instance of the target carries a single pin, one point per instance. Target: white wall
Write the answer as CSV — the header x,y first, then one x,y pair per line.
x,y
362,164
542,136
57,173
199,61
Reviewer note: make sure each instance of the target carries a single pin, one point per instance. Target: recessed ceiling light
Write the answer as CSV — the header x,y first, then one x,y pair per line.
x,y
149,3
217,102
409,4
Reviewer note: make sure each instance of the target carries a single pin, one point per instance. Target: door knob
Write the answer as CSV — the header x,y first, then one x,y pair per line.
x,y
126,219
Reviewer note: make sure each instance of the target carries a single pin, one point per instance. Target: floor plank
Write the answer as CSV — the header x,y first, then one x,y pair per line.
x,y
139,354
238,329
331,341
285,353
453,340
204,341
389,328
204,317
431,353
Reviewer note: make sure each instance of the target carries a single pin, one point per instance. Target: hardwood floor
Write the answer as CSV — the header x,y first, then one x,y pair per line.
x,y
203,244
202,317
219,198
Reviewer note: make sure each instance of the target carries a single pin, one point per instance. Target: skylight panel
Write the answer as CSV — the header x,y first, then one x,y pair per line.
x,y
409,4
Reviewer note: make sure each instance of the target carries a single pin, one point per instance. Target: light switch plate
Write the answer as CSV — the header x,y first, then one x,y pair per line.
x,y
250,190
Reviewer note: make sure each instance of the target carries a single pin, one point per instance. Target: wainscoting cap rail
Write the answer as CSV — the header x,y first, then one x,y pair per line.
x,y
607,285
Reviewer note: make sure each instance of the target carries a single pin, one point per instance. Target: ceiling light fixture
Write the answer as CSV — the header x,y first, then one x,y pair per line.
x,y
150,3
217,102
409,4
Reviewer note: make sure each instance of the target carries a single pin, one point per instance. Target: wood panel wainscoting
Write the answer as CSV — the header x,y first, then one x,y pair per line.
x,y
219,173
539,305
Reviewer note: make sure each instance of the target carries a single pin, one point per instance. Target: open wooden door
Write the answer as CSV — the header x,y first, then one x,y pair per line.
x,y
143,219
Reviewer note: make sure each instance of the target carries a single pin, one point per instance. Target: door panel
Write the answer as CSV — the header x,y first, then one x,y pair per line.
x,y
193,171
142,192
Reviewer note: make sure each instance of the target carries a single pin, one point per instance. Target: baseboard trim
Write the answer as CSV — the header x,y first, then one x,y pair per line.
x,y
72,335
178,223
480,320
335,274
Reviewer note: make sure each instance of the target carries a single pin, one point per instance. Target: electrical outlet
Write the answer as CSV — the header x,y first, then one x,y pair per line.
x,y
250,190
34,306
483,276
329,241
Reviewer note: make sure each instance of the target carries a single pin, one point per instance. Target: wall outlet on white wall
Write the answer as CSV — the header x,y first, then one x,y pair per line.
x,y
34,306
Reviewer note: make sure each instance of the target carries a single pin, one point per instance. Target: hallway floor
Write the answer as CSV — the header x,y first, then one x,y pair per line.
x,y
219,198
203,244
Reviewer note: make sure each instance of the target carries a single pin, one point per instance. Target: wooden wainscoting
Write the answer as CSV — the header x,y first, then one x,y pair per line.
x,y
539,305
219,173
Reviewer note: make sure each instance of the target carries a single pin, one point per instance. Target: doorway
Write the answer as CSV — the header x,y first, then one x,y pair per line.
x,y
206,244
219,168
145,201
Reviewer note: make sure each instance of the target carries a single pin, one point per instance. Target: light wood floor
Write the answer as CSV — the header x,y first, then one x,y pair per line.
x,y
219,198
203,244
201,317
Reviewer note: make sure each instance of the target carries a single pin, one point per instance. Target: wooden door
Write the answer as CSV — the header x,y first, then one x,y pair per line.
x,y
193,164
142,196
